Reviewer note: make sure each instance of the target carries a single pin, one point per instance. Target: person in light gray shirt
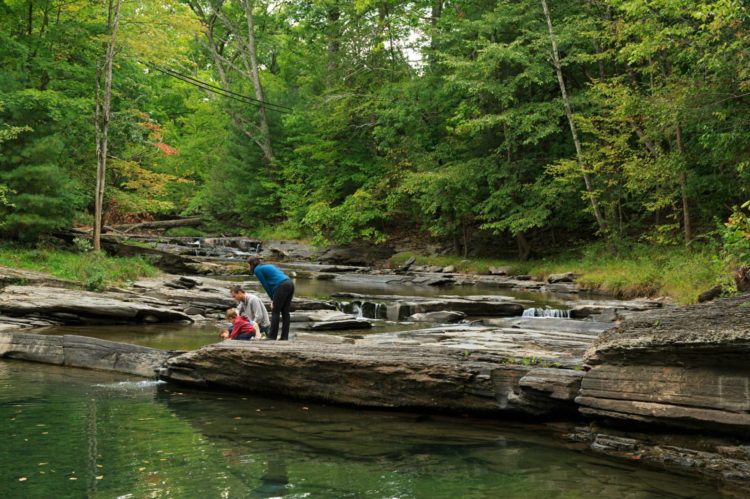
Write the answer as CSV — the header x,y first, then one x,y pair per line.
x,y
250,306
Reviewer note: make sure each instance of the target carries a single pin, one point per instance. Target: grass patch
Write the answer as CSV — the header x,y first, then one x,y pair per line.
x,y
95,271
638,271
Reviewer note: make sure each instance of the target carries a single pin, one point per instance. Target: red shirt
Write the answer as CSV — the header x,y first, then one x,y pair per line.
x,y
241,325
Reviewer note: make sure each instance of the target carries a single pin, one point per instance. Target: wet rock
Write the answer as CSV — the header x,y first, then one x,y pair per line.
x,y
83,352
707,457
398,376
339,325
494,270
710,294
441,317
356,254
686,367
10,276
449,269
434,269
75,306
408,263
565,277
586,308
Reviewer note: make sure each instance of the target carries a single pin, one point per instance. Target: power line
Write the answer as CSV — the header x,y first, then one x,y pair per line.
x,y
218,90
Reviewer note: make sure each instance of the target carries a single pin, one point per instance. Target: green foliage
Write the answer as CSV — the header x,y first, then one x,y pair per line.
x,y
93,270
451,126
735,237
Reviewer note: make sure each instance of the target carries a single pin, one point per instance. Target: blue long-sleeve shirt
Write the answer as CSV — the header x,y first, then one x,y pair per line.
x,y
270,277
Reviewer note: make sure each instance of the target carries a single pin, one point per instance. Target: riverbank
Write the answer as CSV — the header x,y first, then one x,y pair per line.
x,y
92,271
642,271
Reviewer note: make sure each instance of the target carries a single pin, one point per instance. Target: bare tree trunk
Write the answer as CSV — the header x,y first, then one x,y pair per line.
x,y
102,125
573,130
683,190
264,129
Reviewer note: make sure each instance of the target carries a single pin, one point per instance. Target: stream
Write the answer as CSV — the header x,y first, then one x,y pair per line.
x,y
77,433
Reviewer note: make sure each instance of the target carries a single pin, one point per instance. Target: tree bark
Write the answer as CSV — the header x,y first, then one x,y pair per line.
x,y
573,130
264,129
102,115
524,249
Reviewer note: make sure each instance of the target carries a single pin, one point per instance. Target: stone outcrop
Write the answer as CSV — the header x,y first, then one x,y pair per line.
x,y
83,352
686,366
10,276
710,457
440,317
71,306
393,307
388,376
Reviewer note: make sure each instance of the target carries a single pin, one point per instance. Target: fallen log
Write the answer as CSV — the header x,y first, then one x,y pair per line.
x,y
159,224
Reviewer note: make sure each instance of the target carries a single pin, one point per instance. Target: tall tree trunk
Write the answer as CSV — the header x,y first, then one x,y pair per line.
x,y
573,130
436,11
102,114
524,249
252,54
683,190
333,34
30,19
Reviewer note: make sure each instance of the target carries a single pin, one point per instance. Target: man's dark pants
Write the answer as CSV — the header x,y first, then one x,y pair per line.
x,y
282,304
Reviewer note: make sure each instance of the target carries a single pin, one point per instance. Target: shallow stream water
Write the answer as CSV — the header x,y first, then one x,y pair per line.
x,y
76,433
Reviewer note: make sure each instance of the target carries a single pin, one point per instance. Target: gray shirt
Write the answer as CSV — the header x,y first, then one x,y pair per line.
x,y
252,308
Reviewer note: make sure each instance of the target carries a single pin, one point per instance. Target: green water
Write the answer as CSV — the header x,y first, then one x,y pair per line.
x,y
75,433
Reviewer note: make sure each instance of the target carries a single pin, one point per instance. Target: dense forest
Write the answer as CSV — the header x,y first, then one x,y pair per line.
x,y
520,123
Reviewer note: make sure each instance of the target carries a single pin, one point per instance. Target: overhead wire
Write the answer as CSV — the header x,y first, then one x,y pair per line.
x,y
218,90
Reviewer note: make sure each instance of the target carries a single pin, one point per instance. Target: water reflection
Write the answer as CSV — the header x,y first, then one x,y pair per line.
x,y
75,433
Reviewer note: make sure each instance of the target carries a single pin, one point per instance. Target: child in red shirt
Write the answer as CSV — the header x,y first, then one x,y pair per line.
x,y
241,328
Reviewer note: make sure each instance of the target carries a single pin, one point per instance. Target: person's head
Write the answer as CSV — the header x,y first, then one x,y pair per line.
x,y
231,314
237,292
253,262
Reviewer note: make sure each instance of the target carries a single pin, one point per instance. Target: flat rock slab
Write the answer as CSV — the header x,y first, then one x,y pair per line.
x,y
394,376
83,352
75,306
686,366
10,276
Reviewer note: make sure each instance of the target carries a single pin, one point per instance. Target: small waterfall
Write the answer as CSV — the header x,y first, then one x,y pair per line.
x,y
546,313
357,310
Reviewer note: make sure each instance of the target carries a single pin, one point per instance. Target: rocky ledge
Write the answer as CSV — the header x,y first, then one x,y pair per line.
x,y
84,352
386,376
687,367
71,306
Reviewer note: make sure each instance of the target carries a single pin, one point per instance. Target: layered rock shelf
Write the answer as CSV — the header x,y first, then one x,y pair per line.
x,y
685,367
390,376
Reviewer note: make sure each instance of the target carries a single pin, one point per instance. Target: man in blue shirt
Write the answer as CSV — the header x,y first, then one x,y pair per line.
x,y
281,291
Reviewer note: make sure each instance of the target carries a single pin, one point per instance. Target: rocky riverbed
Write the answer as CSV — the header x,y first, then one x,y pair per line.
x,y
633,363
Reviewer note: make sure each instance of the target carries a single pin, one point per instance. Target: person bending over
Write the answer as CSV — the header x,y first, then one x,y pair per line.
x,y
249,305
281,291
241,328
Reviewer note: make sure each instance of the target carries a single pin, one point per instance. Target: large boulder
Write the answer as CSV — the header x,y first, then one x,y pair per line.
x,y
679,366
356,254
